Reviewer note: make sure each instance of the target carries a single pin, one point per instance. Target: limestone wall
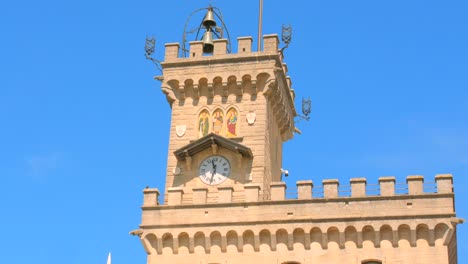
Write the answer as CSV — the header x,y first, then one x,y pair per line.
x,y
393,227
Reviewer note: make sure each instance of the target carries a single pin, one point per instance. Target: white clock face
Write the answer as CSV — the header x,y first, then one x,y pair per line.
x,y
214,170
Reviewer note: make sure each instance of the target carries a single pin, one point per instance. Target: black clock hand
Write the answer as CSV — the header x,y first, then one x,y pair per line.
x,y
214,171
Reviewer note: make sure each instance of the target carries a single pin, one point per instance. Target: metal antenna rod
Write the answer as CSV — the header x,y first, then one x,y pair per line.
x,y
260,18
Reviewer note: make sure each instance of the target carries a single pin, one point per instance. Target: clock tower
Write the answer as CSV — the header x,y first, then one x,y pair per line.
x,y
224,201
231,114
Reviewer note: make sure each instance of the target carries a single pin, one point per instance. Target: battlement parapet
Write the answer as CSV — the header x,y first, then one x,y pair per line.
x,y
244,47
330,189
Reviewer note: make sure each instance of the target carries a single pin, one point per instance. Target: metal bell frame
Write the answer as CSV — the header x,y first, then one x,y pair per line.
x,y
209,24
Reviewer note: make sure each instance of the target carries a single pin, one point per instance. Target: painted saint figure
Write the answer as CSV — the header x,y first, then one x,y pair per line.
x,y
203,124
232,123
217,122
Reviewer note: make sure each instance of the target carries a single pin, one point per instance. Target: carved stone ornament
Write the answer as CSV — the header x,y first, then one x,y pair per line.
x,y
251,118
180,130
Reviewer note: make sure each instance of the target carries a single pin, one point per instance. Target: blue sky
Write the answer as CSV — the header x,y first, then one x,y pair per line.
x,y
84,127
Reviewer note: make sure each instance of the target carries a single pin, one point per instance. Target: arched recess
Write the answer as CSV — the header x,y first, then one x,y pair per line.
x,y
440,231
249,241
404,236
167,244
203,122
386,237
316,238
184,243
150,243
200,243
281,240
333,235
351,241
215,240
298,239
422,235
371,262
233,87
247,83
262,79
218,125
232,122
189,91
368,237
203,86
232,241
265,240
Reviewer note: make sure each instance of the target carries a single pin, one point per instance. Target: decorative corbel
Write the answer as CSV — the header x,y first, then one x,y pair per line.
x,y
214,147
210,90
278,69
182,91
170,96
188,161
271,83
238,159
225,89
196,91
254,86
240,88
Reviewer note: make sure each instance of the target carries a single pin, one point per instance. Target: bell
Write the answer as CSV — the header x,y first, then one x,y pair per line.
x,y
209,20
208,42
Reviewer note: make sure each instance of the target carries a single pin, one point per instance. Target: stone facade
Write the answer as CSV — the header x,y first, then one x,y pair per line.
x,y
248,218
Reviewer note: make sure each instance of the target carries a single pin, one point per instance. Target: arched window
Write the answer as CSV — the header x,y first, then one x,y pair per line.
x,y
372,262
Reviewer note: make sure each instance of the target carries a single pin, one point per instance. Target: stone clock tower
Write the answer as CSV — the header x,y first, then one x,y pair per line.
x,y
225,203
238,108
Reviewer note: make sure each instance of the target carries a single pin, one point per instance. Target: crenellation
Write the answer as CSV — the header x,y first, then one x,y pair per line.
x,y
196,49
415,184
358,187
330,188
444,183
244,44
150,197
244,47
220,47
270,43
304,189
278,191
174,195
252,191
200,195
387,186
172,51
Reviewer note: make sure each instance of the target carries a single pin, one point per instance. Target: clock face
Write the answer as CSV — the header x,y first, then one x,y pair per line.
x,y
214,170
